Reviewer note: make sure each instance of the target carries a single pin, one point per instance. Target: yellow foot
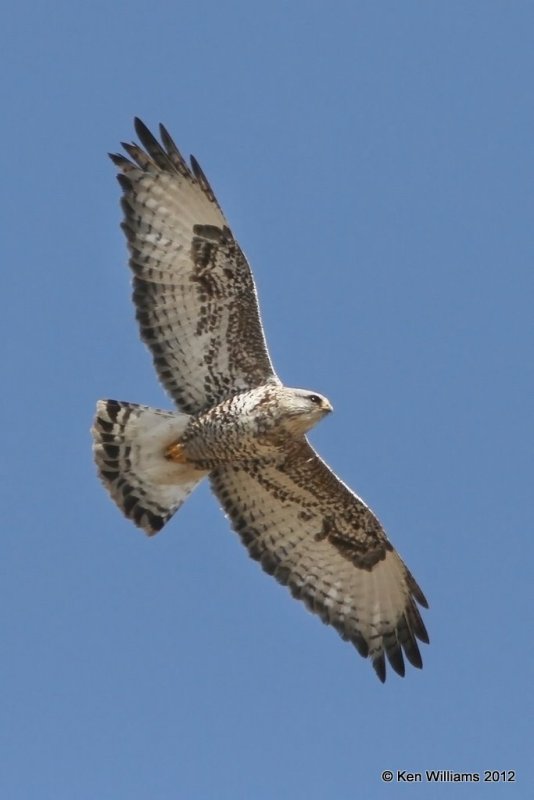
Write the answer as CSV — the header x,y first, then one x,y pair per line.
x,y
175,452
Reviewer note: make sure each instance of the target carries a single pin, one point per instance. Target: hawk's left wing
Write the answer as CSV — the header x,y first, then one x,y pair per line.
x,y
193,289
314,535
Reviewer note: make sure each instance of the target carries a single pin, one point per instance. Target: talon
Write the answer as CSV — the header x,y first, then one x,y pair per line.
x,y
175,452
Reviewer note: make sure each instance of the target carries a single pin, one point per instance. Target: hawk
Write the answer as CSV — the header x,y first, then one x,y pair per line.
x,y
236,423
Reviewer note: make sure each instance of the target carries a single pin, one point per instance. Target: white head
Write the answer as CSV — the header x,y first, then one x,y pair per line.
x,y
301,409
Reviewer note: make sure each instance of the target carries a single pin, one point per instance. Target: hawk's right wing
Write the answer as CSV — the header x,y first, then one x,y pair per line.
x,y
193,289
317,537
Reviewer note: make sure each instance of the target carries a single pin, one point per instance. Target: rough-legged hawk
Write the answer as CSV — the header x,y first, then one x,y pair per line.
x,y
237,424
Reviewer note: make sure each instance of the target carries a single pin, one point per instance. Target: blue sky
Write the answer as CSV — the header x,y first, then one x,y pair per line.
x,y
375,162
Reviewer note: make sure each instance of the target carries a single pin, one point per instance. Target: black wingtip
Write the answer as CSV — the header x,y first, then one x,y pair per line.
x,y
199,174
416,590
421,599
124,182
396,660
197,169
140,127
160,157
414,657
422,635
166,137
358,641
379,665
418,627
202,180
146,137
119,160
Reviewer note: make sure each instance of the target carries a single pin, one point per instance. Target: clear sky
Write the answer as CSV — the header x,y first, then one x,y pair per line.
x,y
375,162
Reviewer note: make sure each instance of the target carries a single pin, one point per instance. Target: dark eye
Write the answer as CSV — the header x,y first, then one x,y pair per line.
x,y
315,399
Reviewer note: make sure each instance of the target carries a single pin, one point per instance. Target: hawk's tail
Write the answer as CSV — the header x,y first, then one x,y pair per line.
x,y
129,443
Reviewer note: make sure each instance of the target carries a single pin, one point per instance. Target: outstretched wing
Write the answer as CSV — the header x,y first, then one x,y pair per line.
x,y
193,290
314,535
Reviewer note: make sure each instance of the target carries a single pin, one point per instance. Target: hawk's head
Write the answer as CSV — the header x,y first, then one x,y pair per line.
x,y
300,409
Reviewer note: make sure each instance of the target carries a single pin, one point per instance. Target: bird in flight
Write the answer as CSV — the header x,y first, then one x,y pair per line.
x,y
236,424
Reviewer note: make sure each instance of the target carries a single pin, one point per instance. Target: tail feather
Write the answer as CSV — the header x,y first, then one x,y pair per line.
x,y
129,443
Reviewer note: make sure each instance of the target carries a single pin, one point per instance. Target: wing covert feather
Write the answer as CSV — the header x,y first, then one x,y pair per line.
x,y
317,537
193,289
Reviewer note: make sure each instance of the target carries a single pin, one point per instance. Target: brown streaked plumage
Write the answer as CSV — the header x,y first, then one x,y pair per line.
x,y
198,313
